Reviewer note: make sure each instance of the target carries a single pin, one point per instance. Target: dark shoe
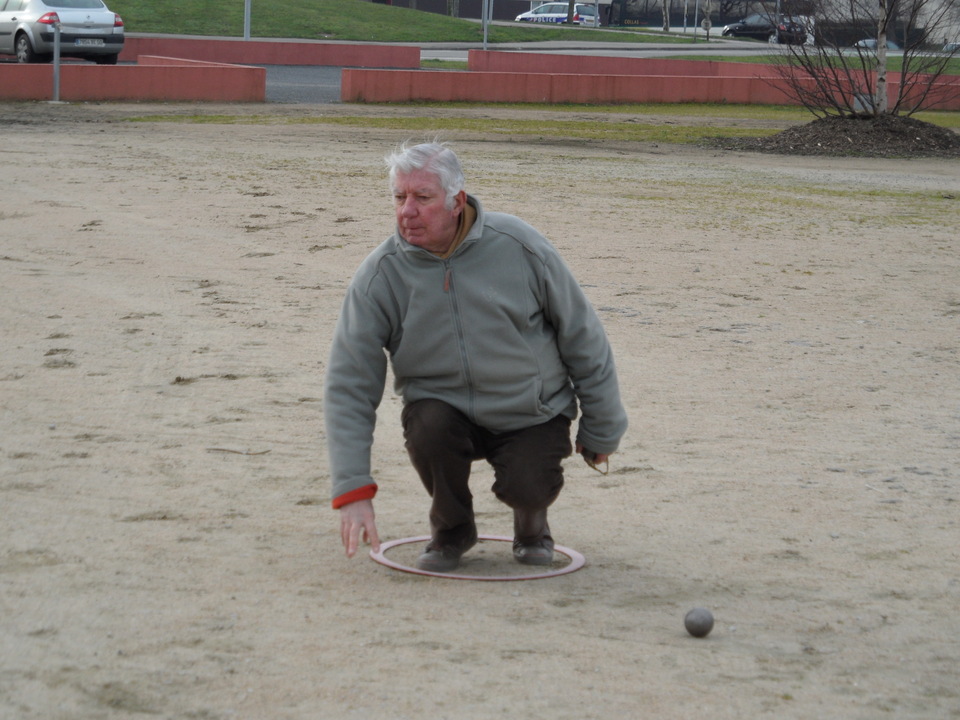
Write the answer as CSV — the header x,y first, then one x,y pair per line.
x,y
442,560
539,552
441,556
532,544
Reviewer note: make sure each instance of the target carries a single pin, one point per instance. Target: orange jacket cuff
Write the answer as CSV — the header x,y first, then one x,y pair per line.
x,y
361,493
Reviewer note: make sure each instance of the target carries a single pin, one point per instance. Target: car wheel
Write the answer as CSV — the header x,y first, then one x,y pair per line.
x,y
106,60
24,50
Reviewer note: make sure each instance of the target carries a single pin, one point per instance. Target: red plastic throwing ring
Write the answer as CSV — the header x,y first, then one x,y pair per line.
x,y
577,561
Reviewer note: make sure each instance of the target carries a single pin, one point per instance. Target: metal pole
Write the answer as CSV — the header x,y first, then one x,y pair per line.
x,y
483,13
246,19
776,23
56,61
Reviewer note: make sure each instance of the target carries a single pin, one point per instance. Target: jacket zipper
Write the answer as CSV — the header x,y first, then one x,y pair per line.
x,y
461,347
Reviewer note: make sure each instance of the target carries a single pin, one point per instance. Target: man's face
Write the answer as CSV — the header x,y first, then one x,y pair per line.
x,y
422,215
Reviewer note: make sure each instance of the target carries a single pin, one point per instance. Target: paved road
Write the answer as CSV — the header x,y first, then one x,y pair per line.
x,y
303,84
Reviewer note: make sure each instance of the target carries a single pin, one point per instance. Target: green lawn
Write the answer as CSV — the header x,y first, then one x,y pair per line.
x,y
342,20
721,121
373,22
537,129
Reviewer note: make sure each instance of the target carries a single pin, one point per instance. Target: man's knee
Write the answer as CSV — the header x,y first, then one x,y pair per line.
x,y
429,418
529,490
434,429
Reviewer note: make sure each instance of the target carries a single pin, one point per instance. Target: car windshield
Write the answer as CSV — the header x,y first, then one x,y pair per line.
x,y
74,4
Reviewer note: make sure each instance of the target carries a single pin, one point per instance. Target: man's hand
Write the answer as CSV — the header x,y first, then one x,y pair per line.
x,y
593,459
357,518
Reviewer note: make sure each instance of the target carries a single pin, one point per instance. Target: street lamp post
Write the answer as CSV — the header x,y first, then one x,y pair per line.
x,y
56,61
486,11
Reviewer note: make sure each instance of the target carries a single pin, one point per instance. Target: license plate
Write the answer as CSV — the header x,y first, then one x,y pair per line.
x,y
89,42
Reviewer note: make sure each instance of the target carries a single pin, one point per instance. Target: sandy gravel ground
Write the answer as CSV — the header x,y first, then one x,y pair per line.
x,y
787,334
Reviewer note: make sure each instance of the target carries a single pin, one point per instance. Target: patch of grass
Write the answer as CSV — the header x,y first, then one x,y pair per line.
x,y
689,122
943,118
540,129
696,110
543,129
343,20
443,64
206,119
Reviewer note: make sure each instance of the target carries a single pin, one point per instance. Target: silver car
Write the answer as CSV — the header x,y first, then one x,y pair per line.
x,y
871,44
87,30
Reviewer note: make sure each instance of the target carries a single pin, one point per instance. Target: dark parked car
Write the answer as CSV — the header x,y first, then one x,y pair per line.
x,y
762,27
87,30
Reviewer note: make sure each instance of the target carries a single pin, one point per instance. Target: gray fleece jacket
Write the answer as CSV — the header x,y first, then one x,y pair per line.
x,y
500,330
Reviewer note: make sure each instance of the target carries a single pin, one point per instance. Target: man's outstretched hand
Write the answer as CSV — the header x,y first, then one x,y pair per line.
x,y
357,519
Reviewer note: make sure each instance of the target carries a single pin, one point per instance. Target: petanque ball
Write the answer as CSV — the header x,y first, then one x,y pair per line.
x,y
699,622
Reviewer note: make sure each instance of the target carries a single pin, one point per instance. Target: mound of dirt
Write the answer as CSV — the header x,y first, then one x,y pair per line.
x,y
884,136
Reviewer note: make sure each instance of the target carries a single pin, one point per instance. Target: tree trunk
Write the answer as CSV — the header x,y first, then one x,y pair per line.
x,y
665,9
881,102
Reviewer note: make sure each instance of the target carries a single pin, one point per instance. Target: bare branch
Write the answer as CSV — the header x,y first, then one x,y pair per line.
x,y
843,71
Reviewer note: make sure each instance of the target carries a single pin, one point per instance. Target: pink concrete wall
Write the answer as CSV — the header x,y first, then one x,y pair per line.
x,y
496,76
404,85
358,85
198,69
273,52
161,60
25,82
500,61
155,79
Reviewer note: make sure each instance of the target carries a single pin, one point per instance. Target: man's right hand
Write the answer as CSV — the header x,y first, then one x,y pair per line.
x,y
355,519
593,459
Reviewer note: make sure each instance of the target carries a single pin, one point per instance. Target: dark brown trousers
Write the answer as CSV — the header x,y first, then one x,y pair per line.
x,y
527,464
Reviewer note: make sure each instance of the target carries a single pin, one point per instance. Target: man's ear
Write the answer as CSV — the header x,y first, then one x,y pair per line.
x,y
460,201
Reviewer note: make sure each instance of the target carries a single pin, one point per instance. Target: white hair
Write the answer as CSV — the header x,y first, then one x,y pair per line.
x,y
434,157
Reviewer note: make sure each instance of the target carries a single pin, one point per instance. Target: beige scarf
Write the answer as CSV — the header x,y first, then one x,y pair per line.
x,y
467,218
